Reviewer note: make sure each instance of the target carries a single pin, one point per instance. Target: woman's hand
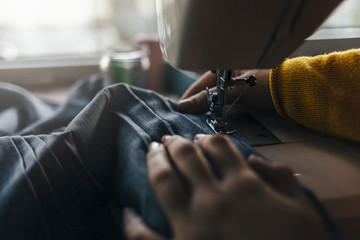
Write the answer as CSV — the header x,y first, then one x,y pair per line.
x,y
194,99
263,201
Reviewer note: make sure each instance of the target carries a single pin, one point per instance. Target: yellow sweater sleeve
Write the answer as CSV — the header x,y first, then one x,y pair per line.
x,y
322,92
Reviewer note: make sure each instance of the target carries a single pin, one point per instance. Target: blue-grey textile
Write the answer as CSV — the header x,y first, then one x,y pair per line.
x,y
66,172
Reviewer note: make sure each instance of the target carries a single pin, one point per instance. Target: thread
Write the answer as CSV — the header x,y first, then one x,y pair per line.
x,y
238,97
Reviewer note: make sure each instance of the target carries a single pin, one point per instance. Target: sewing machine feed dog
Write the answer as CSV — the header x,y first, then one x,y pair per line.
x,y
217,100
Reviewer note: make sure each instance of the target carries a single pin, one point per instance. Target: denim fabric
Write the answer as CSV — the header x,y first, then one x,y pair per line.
x,y
66,172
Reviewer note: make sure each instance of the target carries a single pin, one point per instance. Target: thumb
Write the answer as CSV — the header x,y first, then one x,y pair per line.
x,y
197,103
135,228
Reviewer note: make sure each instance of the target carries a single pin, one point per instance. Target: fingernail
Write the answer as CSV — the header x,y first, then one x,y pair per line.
x,y
199,136
254,157
165,138
154,146
185,105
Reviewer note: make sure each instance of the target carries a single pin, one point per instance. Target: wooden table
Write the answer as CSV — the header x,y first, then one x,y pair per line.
x,y
328,166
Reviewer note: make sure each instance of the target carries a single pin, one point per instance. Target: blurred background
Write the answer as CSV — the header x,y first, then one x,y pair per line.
x,y
42,28
49,42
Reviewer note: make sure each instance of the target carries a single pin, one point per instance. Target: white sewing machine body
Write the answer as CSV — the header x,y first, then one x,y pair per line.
x,y
235,34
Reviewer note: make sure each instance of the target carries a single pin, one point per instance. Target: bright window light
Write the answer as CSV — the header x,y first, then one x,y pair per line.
x,y
347,15
43,28
39,28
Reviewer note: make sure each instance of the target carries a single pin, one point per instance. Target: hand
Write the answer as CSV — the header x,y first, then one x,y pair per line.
x,y
194,99
239,203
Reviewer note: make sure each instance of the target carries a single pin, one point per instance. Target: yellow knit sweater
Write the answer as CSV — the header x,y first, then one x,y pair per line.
x,y
322,92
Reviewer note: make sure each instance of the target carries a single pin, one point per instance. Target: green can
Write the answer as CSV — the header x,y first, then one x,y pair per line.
x,y
127,64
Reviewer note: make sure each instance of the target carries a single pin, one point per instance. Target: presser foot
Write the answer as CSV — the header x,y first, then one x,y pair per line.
x,y
219,128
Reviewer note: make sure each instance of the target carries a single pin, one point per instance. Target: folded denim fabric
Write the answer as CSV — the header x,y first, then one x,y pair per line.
x,y
68,171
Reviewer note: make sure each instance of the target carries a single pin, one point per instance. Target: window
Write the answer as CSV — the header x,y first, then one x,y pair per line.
x,y
37,28
46,42
34,28
341,31
347,15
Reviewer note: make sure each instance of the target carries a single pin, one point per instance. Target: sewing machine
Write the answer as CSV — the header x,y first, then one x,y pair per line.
x,y
234,34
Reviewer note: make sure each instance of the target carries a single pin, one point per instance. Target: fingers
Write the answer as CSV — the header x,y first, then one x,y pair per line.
x,y
136,229
197,103
189,159
167,186
277,175
206,80
194,99
223,153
